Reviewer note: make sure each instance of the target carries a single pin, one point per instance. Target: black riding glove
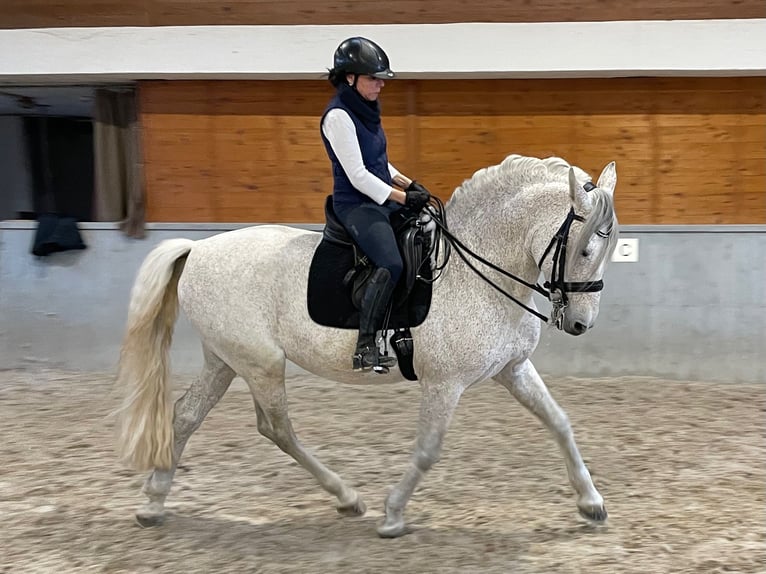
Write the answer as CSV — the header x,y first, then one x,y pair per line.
x,y
417,196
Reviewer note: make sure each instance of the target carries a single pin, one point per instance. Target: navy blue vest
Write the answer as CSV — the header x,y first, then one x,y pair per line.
x,y
372,142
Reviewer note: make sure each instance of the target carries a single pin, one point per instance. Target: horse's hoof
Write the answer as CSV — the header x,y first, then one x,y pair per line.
x,y
393,529
149,520
593,513
355,508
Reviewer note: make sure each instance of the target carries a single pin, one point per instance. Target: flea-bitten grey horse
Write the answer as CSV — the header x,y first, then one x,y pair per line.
x,y
244,292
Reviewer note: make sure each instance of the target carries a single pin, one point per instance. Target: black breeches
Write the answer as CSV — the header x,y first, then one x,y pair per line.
x,y
370,228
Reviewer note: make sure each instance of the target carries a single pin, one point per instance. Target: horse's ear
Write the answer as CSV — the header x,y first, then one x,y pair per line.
x,y
580,199
608,178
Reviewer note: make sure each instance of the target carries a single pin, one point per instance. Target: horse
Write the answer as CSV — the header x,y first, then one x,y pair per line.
x,y
244,292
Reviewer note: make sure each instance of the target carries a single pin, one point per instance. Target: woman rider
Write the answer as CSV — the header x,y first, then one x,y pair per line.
x,y
367,189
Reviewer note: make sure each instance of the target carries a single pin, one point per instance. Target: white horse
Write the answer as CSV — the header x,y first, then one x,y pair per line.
x,y
244,291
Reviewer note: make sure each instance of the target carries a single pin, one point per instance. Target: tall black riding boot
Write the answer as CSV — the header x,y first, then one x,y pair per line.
x,y
373,309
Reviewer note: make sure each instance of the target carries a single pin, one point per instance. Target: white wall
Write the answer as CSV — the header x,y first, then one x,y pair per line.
x,y
480,50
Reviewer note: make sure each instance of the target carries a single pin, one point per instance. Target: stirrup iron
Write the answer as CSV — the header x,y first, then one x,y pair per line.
x,y
369,357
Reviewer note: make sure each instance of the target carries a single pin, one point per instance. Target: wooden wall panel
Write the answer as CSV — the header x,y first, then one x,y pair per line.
x,y
688,150
55,13
245,147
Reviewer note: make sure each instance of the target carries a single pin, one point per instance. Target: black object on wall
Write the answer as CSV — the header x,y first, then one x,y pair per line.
x,y
55,233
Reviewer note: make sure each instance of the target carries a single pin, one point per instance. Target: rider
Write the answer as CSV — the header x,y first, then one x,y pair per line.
x,y
367,189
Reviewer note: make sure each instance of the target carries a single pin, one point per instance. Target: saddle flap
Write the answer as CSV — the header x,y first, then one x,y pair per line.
x,y
412,247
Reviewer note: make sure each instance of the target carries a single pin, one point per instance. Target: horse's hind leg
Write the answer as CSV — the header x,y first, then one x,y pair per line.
x,y
189,412
268,389
525,384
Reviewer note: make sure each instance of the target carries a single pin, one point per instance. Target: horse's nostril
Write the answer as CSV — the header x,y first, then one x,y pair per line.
x,y
580,328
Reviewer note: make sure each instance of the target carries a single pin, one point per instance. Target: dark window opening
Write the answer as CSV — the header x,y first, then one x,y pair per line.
x,y
47,165
61,161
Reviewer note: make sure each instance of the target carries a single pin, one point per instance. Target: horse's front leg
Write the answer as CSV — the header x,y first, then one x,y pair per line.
x,y
525,384
436,408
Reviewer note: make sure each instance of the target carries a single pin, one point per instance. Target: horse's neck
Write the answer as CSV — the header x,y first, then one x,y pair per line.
x,y
496,233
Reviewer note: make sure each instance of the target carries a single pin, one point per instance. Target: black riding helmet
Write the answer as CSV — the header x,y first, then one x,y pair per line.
x,y
361,56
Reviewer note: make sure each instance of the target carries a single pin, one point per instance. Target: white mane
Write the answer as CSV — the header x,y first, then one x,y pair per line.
x,y
516,172
560,168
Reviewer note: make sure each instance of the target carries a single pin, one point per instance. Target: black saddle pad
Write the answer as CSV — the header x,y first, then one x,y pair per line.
x,y
329,301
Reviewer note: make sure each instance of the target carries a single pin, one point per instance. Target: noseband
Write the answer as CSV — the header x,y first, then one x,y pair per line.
x,y
554,290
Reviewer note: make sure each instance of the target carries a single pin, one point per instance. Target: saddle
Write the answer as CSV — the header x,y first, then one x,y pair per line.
x,y
339,271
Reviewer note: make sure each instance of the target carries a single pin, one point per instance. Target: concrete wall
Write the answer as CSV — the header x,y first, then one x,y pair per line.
x,y
692,307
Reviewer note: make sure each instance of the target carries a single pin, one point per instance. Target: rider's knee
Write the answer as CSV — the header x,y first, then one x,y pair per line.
x,y
395,268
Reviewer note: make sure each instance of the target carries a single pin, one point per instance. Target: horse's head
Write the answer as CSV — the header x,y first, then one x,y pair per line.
x,y
577,248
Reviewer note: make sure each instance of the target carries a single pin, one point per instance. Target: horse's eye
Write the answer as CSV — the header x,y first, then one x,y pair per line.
x,y
586,253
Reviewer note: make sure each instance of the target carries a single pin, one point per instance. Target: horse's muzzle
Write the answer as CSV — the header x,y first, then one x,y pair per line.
x,y
575,327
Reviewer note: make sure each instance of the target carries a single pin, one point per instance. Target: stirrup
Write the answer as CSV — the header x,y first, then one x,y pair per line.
x,y
370,358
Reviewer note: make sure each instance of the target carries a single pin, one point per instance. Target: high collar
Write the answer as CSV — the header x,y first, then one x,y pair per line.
x,y
368,112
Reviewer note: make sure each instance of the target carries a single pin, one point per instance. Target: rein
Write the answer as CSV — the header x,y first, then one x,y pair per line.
x,y
554,290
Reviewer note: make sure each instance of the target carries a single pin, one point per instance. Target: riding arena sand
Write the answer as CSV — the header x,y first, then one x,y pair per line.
x,y
681,465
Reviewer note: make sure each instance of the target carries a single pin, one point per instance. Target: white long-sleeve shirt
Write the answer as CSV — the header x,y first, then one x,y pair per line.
x,y
339,129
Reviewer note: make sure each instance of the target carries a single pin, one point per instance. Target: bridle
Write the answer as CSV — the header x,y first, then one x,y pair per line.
x,y
555,290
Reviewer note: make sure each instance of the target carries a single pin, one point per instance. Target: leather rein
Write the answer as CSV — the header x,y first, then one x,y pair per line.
x,y
554,290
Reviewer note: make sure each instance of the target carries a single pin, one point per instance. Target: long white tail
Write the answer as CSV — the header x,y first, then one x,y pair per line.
x,y
145,428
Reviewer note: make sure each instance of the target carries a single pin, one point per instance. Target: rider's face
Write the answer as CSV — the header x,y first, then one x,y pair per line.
x,y
368,86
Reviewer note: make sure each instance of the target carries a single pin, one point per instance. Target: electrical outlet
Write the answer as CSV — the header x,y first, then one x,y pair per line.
x,y
626,250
